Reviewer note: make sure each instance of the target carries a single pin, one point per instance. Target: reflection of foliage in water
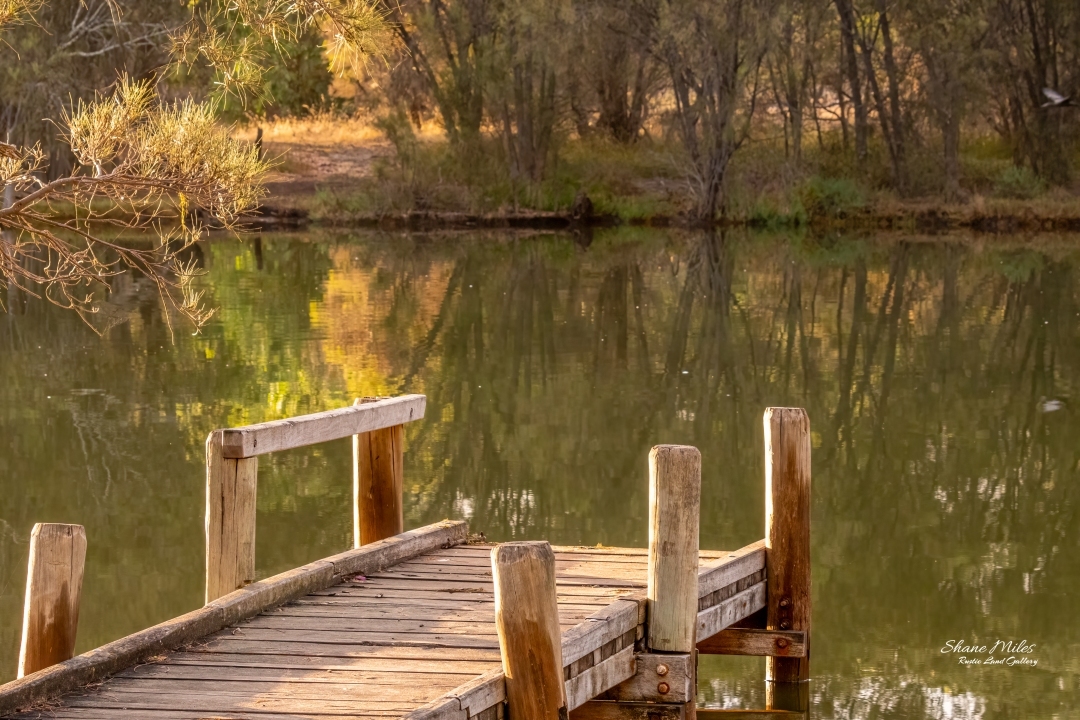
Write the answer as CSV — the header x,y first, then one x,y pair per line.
x,y
945,501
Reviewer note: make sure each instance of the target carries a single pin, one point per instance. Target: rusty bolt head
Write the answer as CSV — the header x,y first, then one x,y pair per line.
x,y
782,643
661,669
785,602
785,625
663,688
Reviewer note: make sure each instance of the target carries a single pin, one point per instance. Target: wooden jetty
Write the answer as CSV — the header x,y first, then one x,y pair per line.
x,y
427,625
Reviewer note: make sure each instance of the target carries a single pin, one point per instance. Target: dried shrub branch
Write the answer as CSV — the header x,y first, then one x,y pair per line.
x,y
157,167
149,168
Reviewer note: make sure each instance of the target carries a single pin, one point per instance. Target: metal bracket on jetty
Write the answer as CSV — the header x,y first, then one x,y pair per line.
x,y
426,626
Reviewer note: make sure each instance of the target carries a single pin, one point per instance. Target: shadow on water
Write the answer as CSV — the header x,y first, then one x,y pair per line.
x,y
938,377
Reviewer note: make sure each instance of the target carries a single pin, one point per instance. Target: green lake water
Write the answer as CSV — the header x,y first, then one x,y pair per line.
x,y
941,376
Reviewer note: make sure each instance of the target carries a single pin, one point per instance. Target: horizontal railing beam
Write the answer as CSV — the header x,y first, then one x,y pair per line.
x,y
724,571
320,427
753,641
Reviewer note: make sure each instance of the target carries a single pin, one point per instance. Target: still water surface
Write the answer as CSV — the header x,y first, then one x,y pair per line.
x,y
942,379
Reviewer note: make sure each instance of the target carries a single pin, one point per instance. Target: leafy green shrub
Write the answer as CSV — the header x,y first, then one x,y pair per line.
x,y
823,197
1020,183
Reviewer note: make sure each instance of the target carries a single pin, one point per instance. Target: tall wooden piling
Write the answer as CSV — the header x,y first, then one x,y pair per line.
x,y
674,516
53,590
378,480
787,549
230,519
527,620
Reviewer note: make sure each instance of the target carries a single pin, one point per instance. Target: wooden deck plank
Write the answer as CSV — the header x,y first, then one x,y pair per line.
x,y
476,592
219,703
422,631
389,693
381,607
125,652
450,662
447,640
566,587
431,675
570,551
254,647
63,713
564,562
567,575
389,625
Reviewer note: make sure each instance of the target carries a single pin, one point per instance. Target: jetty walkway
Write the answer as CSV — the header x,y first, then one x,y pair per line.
x,y
427,625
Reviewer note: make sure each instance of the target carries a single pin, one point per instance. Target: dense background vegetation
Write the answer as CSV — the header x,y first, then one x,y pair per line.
x,y
760,107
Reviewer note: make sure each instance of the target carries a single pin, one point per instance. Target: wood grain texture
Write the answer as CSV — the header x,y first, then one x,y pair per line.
x,y
716,574
377,484
444,708
603,626
787,534
728,612
53,591
600,677
527,618
321,427
104,661
230,520
611,710
753,641
303,643
674,516
659,677
480,693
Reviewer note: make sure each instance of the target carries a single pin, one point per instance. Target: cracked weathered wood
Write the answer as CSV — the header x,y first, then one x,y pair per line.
x,y
378,482
321,426
230,520
53,589
527,620
787,535
674,516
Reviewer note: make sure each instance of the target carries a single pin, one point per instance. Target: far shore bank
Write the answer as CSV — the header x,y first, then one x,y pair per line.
x,y
294,208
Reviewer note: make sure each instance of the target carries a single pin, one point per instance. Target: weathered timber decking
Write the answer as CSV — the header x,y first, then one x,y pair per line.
x,y
409,635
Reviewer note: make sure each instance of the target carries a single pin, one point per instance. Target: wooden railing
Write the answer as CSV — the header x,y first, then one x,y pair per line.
x,y
232,468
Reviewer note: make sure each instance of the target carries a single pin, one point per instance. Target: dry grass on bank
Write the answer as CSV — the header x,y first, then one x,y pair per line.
x,y
342,169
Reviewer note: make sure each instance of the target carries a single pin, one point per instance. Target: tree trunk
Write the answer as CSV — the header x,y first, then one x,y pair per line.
x,y
892,74
847,31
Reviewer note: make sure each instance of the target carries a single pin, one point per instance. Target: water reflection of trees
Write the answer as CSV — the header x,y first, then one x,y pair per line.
x,y
108,431
943,493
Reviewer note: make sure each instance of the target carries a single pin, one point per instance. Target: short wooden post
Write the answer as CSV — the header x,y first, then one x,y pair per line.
x,y
378,481
674,515
527,620
787,550
230,520
53,590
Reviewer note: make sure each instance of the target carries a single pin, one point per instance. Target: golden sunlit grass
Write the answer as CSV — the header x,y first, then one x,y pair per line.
x,y
325,129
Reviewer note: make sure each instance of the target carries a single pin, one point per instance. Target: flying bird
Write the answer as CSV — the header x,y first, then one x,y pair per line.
x,y
1056,99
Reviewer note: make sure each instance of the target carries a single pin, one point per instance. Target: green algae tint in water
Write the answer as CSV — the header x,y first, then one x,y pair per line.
x,y
940,378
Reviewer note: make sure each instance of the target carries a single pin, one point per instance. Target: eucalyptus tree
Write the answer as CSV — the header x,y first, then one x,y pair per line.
x,y
950,37
1035,44
792,64
713,53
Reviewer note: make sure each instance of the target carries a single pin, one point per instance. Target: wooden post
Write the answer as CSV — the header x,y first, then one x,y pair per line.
x,y
377,483
230,520
527,620
787,550
53,589
674,515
